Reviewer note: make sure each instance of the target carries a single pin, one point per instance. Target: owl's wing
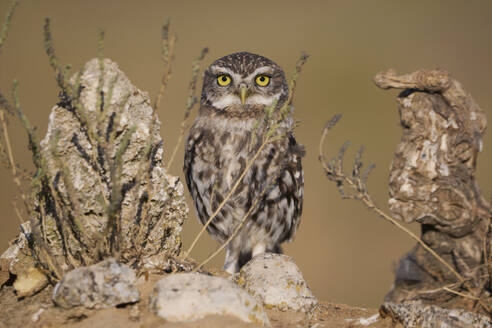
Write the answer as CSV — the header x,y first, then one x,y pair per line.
x,y
199,168
279,213
293,182
189,154
193,163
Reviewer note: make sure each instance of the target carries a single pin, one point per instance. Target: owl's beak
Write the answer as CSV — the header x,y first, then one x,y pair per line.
x,y
243,92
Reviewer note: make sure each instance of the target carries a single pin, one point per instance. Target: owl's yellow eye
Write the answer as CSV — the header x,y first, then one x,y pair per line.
x,y
262,80
224,80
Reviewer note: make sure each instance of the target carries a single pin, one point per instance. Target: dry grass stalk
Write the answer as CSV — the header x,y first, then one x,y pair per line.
x,y
6,108
91,247
191,102
11,162
60,232
6,23
167,53
357,183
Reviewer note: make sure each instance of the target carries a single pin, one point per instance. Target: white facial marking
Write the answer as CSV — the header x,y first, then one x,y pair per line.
x,y
234,100
262,100
226,101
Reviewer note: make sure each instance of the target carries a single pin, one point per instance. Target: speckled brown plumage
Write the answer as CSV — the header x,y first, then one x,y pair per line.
x,y
222,141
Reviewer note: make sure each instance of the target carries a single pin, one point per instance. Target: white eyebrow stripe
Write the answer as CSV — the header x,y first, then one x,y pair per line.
x,y
219,69
224,70
260,70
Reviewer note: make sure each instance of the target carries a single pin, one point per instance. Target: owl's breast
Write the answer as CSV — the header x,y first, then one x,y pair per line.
x,y
216,158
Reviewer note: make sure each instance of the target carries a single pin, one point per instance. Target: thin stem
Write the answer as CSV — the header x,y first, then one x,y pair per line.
x,y
479,300
146,168
176,147
9,147
369,203
17,212
167,55
452,291
6,23
11,160
192,100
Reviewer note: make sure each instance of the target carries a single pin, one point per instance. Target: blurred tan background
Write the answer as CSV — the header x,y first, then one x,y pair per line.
x,y
346,253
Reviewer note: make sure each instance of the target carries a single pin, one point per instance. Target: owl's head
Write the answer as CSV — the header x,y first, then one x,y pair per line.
x,y
242,81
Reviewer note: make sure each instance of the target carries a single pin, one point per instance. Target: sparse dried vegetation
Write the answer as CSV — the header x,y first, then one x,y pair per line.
x,y
67,229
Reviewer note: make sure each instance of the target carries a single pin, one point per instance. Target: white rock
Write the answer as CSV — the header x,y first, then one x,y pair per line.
x,y
275,280
415,314
105,284
185,297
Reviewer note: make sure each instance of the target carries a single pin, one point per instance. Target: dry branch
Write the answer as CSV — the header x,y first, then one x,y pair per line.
x,y
357,183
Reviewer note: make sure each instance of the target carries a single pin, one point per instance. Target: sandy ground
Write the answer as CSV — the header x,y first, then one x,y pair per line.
x,y
39,311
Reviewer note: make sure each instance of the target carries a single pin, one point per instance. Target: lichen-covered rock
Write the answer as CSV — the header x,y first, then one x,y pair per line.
x,y
277,282
185,297
433,182
102,162
98,286
414,314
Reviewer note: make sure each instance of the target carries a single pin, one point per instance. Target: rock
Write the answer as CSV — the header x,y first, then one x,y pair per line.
x,y
4,272
433,182
185,297
16,259
277,282
102,285
17,262
30,282
89,171
415,314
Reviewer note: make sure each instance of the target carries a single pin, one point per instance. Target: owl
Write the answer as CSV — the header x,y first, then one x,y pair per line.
x,y
237,90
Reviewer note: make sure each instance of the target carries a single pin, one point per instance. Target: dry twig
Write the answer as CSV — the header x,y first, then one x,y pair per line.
x,y
167,52
191,102
6,23
357,183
